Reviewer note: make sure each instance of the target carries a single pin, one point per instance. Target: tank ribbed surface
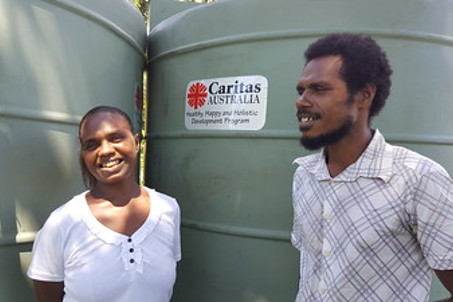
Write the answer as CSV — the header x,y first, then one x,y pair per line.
x,y
58,59
234,185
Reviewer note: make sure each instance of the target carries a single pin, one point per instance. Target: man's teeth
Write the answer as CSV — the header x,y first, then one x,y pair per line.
x,y
110,163
306,119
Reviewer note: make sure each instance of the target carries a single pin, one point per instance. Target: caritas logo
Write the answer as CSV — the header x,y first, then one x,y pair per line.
x,y
196,96
230,103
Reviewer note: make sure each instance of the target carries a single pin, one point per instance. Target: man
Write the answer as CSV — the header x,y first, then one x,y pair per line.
x,y
372,221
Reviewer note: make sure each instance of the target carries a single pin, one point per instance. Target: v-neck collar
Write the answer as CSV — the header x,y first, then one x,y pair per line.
x,y
112,237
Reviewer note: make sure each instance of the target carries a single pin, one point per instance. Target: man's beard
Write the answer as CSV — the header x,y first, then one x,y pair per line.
x,y
330,138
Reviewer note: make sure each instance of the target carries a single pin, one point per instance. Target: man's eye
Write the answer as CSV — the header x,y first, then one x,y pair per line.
x,y
319,90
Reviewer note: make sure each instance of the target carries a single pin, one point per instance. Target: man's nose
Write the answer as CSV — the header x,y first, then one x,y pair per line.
x,y
303,101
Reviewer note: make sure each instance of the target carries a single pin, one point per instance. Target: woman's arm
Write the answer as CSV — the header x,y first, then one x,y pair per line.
x,y
49,291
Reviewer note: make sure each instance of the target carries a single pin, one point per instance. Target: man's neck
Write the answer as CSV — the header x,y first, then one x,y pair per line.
x,y
346,152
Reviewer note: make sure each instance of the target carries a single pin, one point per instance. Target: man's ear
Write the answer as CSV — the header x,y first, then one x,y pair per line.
x,y
366,95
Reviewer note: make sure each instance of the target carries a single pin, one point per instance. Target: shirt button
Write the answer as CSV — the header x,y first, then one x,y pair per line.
x,y
328,216
322,290
132,261
131,250
327,253
129,239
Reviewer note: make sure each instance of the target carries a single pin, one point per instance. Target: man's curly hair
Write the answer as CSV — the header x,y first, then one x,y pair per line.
x,y
363,62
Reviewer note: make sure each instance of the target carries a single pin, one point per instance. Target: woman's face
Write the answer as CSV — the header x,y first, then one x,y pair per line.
x,y
109,148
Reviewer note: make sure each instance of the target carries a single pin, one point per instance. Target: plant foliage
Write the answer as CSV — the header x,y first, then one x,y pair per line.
x,y
143,6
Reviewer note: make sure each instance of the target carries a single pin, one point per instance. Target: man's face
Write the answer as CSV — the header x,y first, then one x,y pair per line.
x,y
325,108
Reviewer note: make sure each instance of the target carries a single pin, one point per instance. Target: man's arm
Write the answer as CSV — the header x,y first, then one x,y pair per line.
x,y
446,277
49,291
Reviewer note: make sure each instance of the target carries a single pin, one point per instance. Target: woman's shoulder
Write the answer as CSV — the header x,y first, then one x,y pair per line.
x,y
69,210
65,217
162,199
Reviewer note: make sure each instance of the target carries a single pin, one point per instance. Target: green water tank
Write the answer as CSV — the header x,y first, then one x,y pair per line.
x,y
58,58
223,131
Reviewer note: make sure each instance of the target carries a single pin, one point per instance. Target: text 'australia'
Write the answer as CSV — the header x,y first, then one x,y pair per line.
x,y
233,99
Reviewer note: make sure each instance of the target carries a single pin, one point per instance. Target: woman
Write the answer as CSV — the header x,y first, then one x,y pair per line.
x,y
117,241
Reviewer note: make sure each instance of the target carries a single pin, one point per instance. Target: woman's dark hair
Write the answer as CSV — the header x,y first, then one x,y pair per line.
x,y
88,179
363,62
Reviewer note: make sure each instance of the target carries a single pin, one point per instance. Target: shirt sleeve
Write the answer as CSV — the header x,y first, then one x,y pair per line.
x,y
434,218
47,262
296,236
177,237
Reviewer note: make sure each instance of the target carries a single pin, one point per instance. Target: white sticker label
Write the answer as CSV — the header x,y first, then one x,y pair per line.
x,y
234,103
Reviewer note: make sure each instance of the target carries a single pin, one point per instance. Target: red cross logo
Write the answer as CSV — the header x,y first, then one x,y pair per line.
x,y
196,96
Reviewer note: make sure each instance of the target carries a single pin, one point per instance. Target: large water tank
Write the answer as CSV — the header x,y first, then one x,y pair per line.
x,y
223,131
58,58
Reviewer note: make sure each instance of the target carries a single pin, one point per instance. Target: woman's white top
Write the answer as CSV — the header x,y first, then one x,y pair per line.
x,y
98,264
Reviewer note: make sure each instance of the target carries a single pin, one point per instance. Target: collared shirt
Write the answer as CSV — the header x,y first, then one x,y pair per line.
x,y
375,231
98,264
